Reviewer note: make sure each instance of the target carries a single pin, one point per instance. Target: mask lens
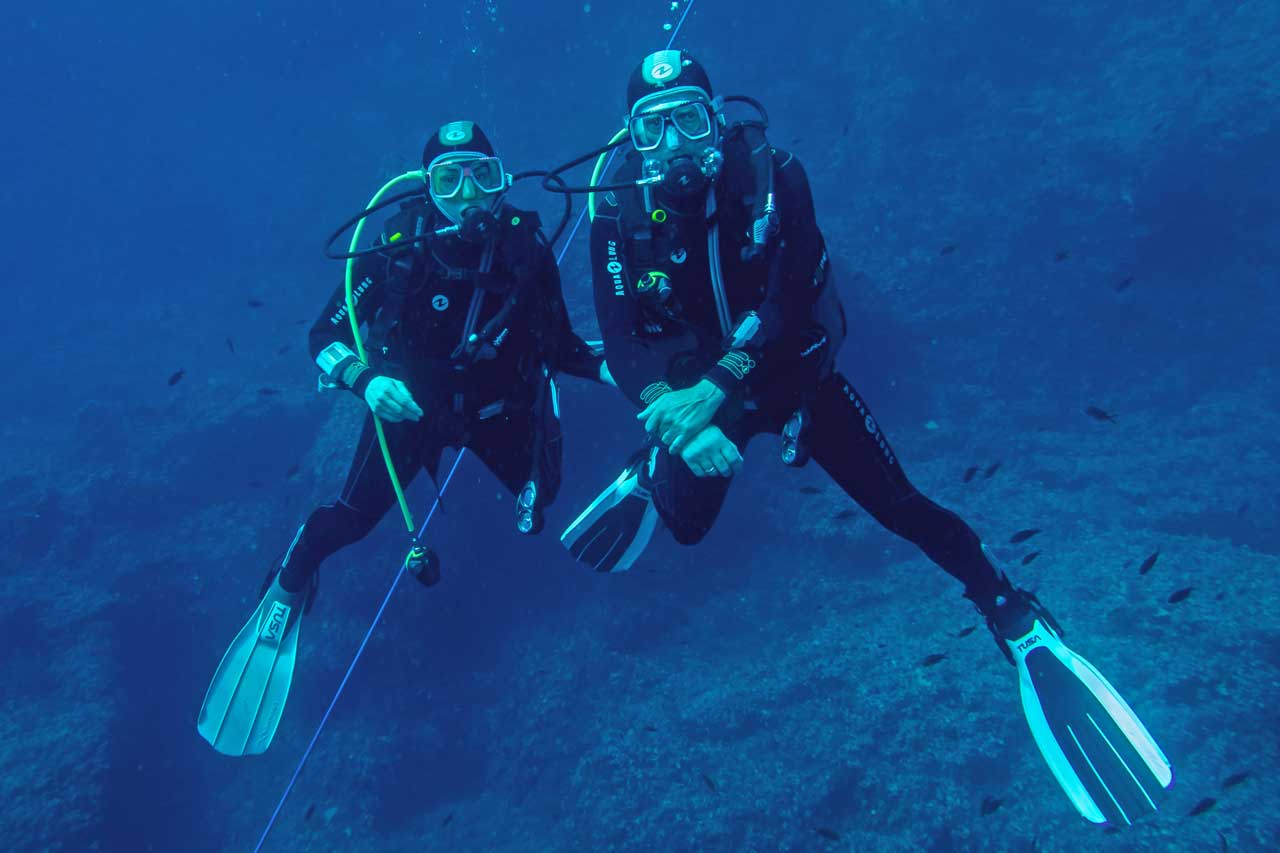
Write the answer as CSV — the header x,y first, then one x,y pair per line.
x,y
446,179
488,174
646,131
692,120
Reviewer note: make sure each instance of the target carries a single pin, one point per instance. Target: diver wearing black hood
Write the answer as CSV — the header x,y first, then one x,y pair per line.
x,y
720,319
466,332
467,329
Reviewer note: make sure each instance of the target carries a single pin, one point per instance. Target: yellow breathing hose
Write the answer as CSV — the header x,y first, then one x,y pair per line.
x,y
595,174
418,175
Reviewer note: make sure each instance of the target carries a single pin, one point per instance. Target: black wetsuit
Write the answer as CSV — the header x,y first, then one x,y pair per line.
x,y
653,347
496,398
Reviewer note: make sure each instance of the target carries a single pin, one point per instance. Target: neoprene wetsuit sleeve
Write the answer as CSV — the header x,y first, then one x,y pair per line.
x,y
331,332
638,365
797,270
569,352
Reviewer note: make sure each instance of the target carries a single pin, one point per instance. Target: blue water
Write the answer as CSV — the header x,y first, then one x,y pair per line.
x,y
1036,209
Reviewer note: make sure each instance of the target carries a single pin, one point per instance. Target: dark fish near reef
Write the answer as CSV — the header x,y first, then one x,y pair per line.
x,y
1061,255
1027,560
810,490
177,377
845,132
256,303
990,472
1181,594
933,660
829,834
1235,779
284,349
1223,839
231,346
1023,535
1124,284
448,819
311,809
1100,414
268,392
964,632
948,249
710,783
649,727
970,473
1203,806
1149,563
990,804
845,514
293,470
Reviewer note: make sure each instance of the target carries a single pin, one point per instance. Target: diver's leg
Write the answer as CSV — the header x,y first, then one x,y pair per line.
x,y
850,446
365,498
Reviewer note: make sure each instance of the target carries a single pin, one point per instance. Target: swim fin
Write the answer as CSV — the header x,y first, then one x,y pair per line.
x,y
245,700
612,532
1099,751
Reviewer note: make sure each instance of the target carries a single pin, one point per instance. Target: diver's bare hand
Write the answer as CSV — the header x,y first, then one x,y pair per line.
x,y
711,454
678,416
391,401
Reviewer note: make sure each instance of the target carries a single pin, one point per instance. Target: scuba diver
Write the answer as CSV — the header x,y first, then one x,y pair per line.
x,y
721,321
467,329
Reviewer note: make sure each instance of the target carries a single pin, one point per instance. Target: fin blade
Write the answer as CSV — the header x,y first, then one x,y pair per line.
x,y
1101,754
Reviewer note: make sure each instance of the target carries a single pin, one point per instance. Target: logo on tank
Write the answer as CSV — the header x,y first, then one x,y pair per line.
x,y
440,302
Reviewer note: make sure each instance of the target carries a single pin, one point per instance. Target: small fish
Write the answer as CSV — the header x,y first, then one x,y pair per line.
x,y
710,783
845,514
1223,839
448,819
990,804
1111,829
1202,806
1244,508
1023,535
964,632
284,349
797,140
311,809
948,249
933,660
177,376
268,392
970,473
825,832
256,484
1124,284
810,490
1149,563
1061,255
231,346
1180,595
650,727
1030,558
1100,414
991,470
845,132
1220,596
293,470
1235,779
256,303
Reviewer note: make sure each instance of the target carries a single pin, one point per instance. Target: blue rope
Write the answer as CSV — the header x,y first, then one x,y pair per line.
x,y
306,754
293,780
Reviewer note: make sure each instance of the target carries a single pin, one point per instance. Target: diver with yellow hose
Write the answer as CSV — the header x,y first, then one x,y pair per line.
x,y
466,330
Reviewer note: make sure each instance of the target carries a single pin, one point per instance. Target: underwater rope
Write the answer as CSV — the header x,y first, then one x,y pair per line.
x,y
404,507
